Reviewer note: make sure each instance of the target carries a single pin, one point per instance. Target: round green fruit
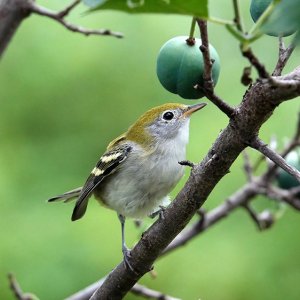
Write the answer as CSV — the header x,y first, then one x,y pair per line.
x,y
257,8
285,180
180,67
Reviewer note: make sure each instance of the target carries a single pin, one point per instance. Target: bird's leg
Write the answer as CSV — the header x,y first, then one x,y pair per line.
x,y
125,250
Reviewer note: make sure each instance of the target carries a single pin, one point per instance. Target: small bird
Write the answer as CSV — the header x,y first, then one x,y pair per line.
x,y
139,168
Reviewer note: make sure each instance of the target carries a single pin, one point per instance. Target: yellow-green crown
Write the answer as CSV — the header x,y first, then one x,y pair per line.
x,y
137,131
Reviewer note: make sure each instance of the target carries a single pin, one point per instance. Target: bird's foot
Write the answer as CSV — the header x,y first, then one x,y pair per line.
x,y
159,212
127,257
187,163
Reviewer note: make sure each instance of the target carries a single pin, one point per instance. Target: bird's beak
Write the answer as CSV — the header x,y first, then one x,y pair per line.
x,y
192,108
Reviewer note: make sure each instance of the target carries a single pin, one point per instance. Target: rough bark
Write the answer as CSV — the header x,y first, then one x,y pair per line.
x,y
12,13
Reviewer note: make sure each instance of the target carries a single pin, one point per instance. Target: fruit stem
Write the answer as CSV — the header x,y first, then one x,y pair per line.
x,y
220,21
262,18
237,16
191,40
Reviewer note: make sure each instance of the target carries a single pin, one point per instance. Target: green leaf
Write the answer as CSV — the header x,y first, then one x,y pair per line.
x,y
285,18
198,8
93,3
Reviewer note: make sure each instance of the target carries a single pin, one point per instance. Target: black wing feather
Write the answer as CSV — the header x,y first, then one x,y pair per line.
x,y
106,167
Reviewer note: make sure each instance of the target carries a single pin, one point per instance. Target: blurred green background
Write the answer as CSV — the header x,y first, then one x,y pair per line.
x,y
63,98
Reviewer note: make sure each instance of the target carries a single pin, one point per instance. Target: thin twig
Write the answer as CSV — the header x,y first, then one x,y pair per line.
x,y
253,215
260,68
237,16
276,158
17,291
208,84
246,76
286,196
283,57
294,142
145,292
64,12
247,166
244,194
59,17
262,220
15,287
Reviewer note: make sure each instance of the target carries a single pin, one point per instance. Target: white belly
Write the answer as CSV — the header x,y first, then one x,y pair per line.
x,y
135,190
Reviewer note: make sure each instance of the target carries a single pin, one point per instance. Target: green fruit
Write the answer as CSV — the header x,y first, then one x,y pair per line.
x,y
180,67
257,8
285,180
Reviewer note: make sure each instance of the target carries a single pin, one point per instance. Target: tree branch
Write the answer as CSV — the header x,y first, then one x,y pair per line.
x,y
137,289
241,198
63,13
145,292
262,220
17,291
208,84
286,196
260,68
257,106
276,158
247,166
12,13
283,57
59,17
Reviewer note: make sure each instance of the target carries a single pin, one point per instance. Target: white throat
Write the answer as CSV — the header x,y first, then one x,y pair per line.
x,y
176,147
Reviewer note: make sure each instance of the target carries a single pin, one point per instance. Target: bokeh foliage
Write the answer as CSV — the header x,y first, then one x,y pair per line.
x,y
63,98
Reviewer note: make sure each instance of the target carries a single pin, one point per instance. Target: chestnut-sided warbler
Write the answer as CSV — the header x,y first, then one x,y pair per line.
x,y
140,167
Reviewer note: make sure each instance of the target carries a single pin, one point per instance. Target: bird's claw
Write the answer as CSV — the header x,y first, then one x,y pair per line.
x,y
127,257
160,213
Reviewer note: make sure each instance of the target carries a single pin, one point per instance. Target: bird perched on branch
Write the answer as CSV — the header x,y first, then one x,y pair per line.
x,y
140,167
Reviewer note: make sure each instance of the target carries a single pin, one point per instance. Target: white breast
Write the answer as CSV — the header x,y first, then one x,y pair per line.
x,y
144,180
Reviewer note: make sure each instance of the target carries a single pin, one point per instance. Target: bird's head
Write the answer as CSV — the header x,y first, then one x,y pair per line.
x,y
165,122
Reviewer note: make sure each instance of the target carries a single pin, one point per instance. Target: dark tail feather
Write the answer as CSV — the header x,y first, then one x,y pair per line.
x,y
68,196
82,202
79,209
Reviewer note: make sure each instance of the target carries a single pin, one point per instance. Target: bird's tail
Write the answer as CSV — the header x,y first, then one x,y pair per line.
x,y
68,196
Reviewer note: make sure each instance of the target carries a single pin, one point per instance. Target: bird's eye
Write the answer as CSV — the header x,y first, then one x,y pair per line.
x,y
168,116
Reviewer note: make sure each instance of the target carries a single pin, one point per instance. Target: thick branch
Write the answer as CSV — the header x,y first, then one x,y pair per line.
x,y
256,186
12,13
257,106
137,289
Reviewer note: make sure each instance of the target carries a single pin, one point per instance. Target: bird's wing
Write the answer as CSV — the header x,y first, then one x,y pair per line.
x,y
108,163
